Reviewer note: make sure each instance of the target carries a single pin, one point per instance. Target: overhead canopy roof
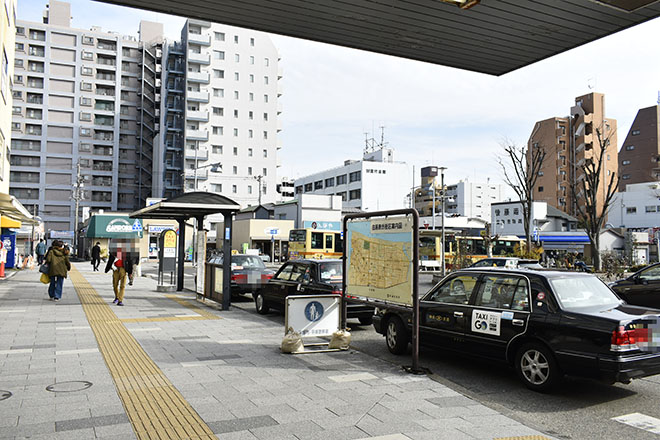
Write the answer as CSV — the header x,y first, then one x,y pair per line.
x,y
494,36
10,207
184,206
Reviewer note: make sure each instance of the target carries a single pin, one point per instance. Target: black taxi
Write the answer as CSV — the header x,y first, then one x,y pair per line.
x,y
544,323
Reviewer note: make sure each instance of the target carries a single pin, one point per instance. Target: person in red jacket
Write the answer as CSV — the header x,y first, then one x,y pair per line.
x,y
116,264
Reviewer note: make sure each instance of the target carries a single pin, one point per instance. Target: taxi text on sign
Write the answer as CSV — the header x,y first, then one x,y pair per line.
x,y
380,259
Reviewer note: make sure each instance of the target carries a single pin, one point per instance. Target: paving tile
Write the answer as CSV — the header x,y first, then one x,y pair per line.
x,y
90,422
242,424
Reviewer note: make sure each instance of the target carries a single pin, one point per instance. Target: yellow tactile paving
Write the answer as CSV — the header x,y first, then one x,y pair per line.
x,y
524,437
154,407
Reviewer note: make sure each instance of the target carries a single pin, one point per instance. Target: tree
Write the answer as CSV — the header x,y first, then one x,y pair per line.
x,y
521,171
591,213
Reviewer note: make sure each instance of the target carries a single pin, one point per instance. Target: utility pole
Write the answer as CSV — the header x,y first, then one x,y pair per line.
x,y
35,209
259,178
442,218
77,196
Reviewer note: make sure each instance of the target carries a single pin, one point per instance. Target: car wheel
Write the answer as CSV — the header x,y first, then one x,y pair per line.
x,y
260,304
396,336
366,320
536,367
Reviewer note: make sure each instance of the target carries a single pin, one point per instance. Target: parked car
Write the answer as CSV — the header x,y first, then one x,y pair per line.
x,y
308,277
544,323
248,273
508,262
641,288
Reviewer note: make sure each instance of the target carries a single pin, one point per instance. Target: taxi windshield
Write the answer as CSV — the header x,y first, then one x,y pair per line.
x,y
330,272
579,292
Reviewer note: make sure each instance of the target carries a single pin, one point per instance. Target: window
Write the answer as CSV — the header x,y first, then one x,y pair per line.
x,y
87,55
251,115
85,86
497,212
266,62
265,98
85,131
252,42
250,134
318,184
218,130
87,102
85,116
218,74
235,151
233,189
355,176
237,76
503,292
18,79
250,189
630,147
16,126
625,162
249,171
251,78
234,170
251,60
219,93
236,94
342,195
236,39
236,114
651,208
330,182
218,111
265,134
341,180
635,133
218,55
308,187
251,97
88,40
265,116
16,110
237,58
249,152
264,172
235,132
88,71
516,211
20,30
355,194
631,210
216,149
506,211
625,177
219,36
265,153
540,189
266,80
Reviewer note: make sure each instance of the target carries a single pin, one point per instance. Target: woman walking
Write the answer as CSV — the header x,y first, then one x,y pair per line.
x,y
58,264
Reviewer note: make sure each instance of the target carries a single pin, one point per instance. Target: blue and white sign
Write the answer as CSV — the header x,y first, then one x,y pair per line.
x,y
137,226
271,231
312,315
324,225
157,229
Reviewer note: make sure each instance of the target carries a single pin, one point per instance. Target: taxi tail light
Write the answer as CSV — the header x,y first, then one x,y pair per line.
x,y
336,291
239,278
626,340
266,276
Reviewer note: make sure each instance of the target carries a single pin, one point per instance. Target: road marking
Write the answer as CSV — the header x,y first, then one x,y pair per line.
x,y
149,329
79,351
155,408
388,437
641,421
353,377
19,351
74,327
203,363
12,311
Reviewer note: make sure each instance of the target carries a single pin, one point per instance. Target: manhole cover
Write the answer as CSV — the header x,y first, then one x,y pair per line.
x,y
4,395
68,387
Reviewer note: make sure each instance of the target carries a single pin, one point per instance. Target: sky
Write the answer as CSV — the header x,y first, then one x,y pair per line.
x,y
433,115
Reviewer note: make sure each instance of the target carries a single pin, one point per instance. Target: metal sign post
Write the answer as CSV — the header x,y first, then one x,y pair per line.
x,y
372,241
166,258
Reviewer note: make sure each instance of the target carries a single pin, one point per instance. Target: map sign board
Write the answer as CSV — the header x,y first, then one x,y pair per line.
x,y
379,259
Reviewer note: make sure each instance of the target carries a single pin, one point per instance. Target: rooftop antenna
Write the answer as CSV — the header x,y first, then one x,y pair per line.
x,y
591,83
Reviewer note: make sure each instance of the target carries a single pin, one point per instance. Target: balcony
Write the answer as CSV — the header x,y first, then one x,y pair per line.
x,y
201,58
201,174
202,96
204,40
197,135
197,115
200,77
200,154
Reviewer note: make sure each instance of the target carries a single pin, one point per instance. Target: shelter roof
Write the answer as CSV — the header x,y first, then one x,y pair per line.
x,y
493,37
186,205
10,207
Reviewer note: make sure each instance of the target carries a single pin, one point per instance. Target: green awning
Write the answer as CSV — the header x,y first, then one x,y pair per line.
x,y
113,226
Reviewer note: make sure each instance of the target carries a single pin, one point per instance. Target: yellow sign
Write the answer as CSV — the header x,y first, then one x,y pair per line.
x,y
169,241
380,259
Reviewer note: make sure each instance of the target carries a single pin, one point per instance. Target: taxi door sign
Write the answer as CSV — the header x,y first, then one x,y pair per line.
x,y
486,322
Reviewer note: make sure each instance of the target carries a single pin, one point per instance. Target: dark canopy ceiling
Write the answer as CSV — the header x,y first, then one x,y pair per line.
x,y
494,37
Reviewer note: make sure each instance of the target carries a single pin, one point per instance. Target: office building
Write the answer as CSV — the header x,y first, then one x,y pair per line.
x,y
639,157
375,183
7,41
568,143
637,206
83,100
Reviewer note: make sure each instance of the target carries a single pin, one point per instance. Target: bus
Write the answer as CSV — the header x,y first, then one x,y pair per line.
x,y
474,248
315,244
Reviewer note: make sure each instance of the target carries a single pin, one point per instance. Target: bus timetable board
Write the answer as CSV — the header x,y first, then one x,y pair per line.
x,y
380,255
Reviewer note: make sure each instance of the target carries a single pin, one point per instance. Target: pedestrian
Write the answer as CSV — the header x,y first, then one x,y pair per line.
x,y
41,251
96,256
131,267
118,277
58,266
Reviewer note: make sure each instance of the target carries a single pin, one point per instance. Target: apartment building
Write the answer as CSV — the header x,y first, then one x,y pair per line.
x,y
639,157
7,38
568,143
81,97
375,183
637,206
231,112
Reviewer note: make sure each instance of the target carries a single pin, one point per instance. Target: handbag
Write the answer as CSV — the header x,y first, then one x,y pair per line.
x,y
44,278
44,268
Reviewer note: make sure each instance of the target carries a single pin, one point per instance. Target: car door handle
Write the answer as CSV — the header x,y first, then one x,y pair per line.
x,y
458,314
518,322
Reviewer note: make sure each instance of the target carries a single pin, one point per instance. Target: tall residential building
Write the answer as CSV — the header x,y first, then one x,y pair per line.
x,y
569,142
231,90
87,98
7,39
375,183
639,157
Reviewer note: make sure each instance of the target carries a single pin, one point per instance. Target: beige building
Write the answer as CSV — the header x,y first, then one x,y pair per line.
x,y
569,142
7,42
639,158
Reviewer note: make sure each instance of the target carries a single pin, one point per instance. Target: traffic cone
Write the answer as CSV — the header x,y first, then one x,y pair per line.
x,y
2,270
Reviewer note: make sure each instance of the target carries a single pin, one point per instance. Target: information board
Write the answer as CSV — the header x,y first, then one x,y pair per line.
x,y
380,255
312,315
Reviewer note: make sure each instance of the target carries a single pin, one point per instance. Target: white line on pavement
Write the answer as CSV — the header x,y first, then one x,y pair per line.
x,y
353,377
81,351
12,311
186,315
641,421
388,437
203,363
21,351
74,327
150,329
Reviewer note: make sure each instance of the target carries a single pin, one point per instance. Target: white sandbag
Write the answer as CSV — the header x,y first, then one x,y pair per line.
x,y
292,342
341,339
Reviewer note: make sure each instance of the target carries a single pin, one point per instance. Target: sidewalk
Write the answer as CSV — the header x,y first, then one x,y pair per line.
x,y
165,366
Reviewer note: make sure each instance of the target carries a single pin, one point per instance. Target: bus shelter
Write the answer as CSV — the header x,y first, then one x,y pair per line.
x,y
195,205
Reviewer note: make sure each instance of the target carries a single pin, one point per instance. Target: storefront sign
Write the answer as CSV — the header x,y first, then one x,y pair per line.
x,y
61,234
325,225
157,229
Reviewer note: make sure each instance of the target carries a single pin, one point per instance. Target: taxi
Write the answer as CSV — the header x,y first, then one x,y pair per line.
x,y
546,324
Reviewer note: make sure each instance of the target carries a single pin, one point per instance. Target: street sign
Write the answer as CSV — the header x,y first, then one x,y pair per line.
x,y
312,316
272,231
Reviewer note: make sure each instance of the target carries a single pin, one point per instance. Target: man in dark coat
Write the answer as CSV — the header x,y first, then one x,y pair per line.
x,y
58,263
96,256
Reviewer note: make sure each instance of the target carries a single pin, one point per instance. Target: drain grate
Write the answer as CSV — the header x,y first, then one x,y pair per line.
x,y
69,387
4,395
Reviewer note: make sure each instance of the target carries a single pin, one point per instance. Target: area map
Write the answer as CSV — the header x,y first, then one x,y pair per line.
x,y
380,259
